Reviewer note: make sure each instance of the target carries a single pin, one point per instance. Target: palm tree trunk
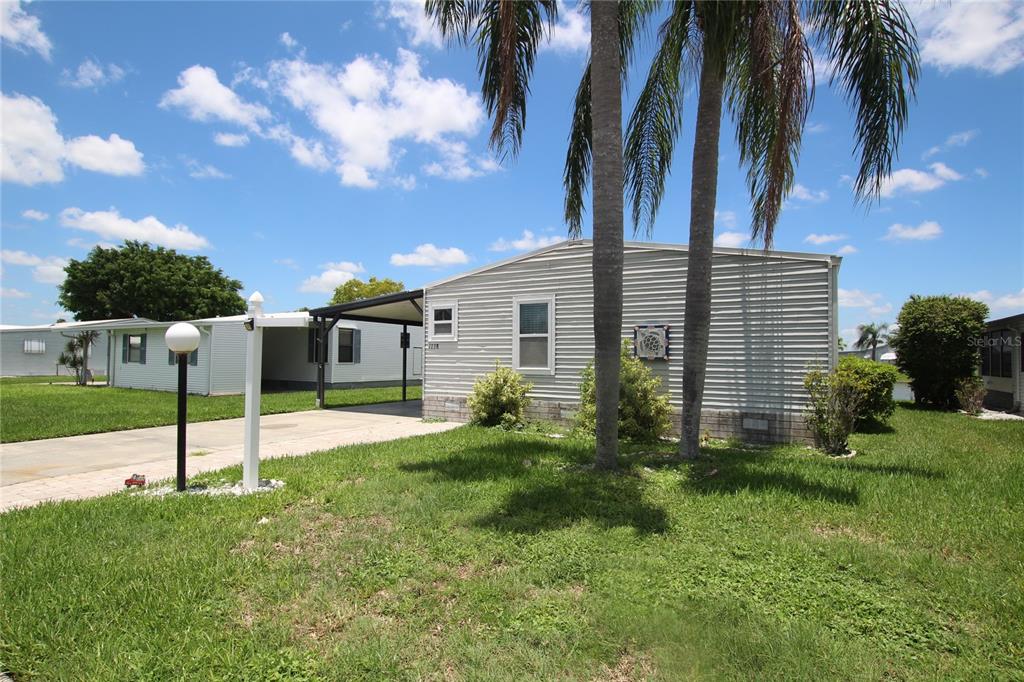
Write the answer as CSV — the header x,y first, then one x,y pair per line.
x,y
874,345
703,191
606,105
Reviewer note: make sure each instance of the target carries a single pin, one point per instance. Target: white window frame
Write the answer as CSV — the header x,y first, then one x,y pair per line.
x,y
34,347
454,307
516,302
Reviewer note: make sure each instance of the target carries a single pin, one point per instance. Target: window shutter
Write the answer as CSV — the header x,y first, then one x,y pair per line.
x,y
170,357
357,344
193,358
142,351
124,349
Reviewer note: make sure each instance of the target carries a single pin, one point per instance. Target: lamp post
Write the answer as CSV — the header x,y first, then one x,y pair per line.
x,y
182,338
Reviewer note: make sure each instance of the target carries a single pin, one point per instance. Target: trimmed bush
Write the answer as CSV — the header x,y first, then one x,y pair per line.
x,y
970,393
937,345
836,400
644,412
877,380
500,399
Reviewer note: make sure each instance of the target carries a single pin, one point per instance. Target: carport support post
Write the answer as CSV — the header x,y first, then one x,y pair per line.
x,y
253,387
405,353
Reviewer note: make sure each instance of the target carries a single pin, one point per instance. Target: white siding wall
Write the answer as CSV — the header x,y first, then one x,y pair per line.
x,y
771,319
157,374
14,361
228,366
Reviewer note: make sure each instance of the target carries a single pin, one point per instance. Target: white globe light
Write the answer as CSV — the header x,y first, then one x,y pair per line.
x,y
182,337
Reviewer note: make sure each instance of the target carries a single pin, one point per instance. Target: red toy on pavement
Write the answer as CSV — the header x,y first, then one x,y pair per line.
x,y
137,480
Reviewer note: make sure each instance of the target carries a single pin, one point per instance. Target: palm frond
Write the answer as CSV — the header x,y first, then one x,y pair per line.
x,y
655,123
455,18
872,47
578,158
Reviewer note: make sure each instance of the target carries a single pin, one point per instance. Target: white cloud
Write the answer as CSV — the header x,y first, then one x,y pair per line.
x,y
456,163
33,214
287,40
801,193
909,180
925,231
6,292
47,270
1013,301
855,298
203,171
311,154
112,226
732,239
287,262
204,98
411,16
113,156
333,275
981,173
406,182
527,242
571,33
847,250
987,36
32,151
22,31
92,74
823,238
231,139
815,128
429,255
369,104
725,218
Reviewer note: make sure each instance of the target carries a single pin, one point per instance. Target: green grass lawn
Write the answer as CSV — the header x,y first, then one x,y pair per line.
x,y
30,410
479,555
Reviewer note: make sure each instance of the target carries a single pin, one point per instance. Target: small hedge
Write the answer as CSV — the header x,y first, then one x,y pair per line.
x,y
836,399
876,381
500,399
644,412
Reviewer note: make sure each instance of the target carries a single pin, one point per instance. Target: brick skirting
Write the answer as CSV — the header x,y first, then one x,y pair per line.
x,y
749,426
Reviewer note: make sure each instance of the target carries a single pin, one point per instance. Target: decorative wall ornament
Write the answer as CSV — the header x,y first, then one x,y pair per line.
x,y
651,341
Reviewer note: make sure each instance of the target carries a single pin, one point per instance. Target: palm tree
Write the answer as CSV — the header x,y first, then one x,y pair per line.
x,y
506,34
75,355
753,57
870,335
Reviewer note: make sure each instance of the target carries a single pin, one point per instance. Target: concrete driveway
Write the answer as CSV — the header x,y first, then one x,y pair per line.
x,y
97,464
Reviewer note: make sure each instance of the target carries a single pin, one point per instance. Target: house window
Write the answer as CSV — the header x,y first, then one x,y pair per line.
x,y
134,349
34,346
444,321
533,325
349,342
193,357
997,354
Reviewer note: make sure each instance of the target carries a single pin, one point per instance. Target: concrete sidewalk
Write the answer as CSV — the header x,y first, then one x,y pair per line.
x,y
97,464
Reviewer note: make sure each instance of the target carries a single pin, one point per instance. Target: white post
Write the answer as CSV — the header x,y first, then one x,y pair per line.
x,y
253,378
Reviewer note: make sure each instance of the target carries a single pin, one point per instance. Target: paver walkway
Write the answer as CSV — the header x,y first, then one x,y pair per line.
x,y
97,464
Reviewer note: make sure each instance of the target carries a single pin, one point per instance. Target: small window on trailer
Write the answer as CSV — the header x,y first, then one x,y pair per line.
x,y
533,329
34,346
349,345
997,354
133,349
444,321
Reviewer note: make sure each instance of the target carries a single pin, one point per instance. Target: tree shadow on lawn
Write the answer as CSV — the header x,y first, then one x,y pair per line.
x,y
884,469
508,459
730,472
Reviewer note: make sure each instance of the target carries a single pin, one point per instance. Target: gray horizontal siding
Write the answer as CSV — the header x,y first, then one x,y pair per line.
x,y
157,374
14,361
771,320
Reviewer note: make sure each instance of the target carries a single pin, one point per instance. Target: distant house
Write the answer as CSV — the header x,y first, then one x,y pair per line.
x,y
773,317
883,353
360,354
1001,359
33,350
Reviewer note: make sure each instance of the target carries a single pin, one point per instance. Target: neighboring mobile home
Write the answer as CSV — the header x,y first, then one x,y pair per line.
x,y
773,318
362,354
1002,355
33,350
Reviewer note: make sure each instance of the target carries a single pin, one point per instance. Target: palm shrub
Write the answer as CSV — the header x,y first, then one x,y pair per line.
x,y
936,345
644,411
836,400
970,393
500,398
877,380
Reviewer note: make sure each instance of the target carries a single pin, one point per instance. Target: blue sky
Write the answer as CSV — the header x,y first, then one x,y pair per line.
x,y
297,145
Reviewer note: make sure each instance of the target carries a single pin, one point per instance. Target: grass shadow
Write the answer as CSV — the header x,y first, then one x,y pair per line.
x,y
508,459
888,469
606,500
874,427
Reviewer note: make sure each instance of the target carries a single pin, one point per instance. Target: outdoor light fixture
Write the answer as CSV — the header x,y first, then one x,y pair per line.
x,y
182,338
249,324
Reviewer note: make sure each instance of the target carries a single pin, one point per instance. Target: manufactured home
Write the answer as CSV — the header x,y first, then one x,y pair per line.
x,y
360,354
774,317
1002,355
34,350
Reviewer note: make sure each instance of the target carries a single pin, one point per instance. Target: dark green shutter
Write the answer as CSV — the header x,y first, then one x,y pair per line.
x,y
171,357
142,351
193,358
124,349
357,343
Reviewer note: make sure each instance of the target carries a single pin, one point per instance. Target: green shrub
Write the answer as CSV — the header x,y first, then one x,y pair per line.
x,y
936,345
644,412
970,393
836,400
500,398
877,380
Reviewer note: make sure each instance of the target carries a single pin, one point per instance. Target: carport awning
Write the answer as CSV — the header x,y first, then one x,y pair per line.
x,y
405,307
